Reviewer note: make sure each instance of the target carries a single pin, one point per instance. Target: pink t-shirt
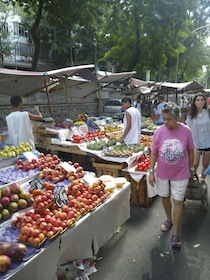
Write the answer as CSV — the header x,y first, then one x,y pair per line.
x,y
172,147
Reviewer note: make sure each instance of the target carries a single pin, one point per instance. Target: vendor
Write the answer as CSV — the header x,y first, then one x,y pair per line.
x,y
131,123
19,123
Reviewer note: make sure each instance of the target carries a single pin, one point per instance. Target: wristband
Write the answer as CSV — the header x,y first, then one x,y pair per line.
x,y
192,168
151,170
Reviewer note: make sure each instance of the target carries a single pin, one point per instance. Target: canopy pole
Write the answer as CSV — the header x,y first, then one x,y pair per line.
x,y
66,95
48,98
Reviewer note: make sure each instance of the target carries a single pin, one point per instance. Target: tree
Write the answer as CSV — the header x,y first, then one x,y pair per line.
x,y
4,34
34,10
130,34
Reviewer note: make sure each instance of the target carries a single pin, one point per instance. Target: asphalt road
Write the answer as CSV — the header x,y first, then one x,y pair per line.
x,y
141,251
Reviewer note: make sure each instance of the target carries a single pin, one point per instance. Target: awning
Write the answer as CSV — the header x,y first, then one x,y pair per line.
x,y
166,87
114,77
191,87
26,83
136,83
74,87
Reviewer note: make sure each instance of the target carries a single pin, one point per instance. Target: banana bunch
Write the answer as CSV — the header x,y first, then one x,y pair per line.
x,y
82,117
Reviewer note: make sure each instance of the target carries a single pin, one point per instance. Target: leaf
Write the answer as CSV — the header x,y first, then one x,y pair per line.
x,y
162,255
196,245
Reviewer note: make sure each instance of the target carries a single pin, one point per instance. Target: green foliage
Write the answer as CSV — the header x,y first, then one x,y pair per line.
x,y
162,35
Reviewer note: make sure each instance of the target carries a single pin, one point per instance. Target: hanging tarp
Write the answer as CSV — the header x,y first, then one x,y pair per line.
x,y
26,83
75,87
188,87
109,78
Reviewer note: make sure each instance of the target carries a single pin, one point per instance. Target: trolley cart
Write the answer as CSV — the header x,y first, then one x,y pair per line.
x,y
197,190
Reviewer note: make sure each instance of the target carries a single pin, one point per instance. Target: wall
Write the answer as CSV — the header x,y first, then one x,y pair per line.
x,y
59,107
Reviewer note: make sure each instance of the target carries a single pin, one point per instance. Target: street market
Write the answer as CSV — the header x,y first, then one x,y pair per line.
x,y
119,171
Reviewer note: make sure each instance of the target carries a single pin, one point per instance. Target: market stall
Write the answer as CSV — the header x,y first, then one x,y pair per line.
x,y
78,242
80,239
105,159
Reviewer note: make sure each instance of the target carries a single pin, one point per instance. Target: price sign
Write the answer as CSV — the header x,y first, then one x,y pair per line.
x,y
68,167
29,155
36,184
60,196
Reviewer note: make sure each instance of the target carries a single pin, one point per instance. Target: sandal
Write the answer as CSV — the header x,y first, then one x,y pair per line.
x,y
166,226
175,241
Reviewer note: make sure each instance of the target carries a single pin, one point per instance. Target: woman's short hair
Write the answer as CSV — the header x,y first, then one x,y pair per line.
x,y
171,108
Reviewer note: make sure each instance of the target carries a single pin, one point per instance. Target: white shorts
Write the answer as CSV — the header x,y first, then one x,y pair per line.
x,y
176,189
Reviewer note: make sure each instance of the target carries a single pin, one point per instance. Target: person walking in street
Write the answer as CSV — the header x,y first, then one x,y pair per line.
x,y
138,103
19,123
199,122
131,123
158,116
172,150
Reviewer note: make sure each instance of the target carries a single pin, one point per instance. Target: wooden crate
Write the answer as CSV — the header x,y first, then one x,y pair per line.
x,y
138,196
107,167
35,126
45,136
35,137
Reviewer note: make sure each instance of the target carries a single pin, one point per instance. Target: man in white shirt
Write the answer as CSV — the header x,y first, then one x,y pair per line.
x,y
19,123
131,122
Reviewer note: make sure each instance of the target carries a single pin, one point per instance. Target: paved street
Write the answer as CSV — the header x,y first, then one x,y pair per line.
x,y
141,251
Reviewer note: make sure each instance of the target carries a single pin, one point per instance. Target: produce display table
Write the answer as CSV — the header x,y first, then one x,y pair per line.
x,y
95,228
79,242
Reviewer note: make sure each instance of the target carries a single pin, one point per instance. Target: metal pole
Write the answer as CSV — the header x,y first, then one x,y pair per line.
x,y
66,96
48,98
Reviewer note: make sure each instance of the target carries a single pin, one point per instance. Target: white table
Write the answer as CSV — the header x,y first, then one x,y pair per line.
x,y
91,231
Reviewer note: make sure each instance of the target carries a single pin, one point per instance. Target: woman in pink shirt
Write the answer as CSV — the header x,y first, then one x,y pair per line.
x,y
172,150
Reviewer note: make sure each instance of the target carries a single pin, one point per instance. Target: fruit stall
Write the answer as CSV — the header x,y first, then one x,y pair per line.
x,y
50,207
102,149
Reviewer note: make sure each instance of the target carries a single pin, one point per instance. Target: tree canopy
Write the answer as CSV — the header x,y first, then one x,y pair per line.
x,y
166,37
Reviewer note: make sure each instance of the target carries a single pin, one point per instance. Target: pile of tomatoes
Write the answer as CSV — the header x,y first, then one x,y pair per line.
x,y
143,164
90,135
78,139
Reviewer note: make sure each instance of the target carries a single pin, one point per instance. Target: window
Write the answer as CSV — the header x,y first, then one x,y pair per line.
x,y
19,30
4,26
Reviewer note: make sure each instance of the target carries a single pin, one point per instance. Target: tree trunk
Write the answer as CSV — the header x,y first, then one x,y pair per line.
x,y
35,37
137,56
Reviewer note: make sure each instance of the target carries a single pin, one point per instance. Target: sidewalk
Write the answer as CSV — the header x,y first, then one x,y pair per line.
x,y
141,251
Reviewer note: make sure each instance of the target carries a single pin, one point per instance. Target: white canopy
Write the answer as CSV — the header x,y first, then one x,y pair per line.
x,y
26,83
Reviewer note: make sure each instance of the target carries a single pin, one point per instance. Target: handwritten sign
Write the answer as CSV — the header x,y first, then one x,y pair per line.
x,y
68,167
29,155
60,196
36,184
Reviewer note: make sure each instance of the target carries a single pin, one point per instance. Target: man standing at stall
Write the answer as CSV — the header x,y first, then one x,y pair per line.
x,y
158,116
137,104
131,123
19,123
